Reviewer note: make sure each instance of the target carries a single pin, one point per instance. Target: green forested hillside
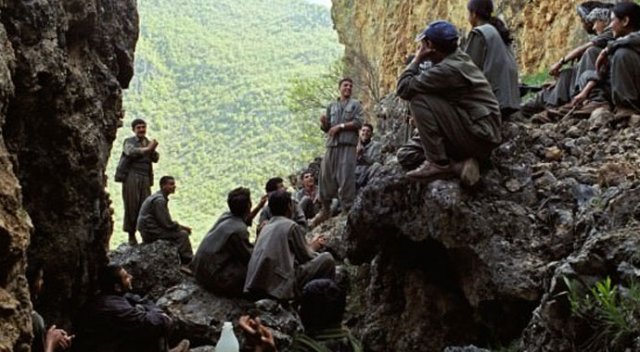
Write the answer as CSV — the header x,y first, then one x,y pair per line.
x,y
211,80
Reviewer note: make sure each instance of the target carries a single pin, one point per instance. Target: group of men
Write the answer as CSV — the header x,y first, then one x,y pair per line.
x,y
600,73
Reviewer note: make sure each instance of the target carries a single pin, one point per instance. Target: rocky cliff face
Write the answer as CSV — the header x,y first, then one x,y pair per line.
x,y
445,266
64,65
378,34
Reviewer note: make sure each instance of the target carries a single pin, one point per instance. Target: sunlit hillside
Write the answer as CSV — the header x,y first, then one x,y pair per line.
x,y
210,80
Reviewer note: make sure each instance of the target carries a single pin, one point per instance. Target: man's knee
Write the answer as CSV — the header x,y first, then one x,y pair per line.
x,y
326,265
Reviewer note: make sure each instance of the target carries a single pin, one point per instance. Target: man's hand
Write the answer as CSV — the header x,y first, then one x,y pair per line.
x,y
579,99
555,68
186,228
318,242
57,338
324,123
257,334
263,200
359,149
422,53
602,60
333,131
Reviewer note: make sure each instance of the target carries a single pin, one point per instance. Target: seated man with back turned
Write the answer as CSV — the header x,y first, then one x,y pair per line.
x,y
277,184
220,264
282,261
155,223
118,321
453,105
321,309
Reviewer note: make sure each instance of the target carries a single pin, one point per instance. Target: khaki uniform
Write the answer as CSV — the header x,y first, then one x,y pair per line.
x,y
457,114
155,223
337,171
281,263
496,60
220,264
137,185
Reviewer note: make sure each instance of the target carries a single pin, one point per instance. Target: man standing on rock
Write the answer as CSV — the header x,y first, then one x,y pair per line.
x,y
341,123
457,114
155,223
220,264
136,174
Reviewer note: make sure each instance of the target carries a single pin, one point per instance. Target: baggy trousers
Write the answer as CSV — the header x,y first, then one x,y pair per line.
x,y
625,79
135,189
338,175
443,132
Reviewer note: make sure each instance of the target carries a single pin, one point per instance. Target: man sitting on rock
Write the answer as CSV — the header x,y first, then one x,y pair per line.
x,y
368,156
117,321
453,105
155,223
321,309
220,264
307,196
282,260
277,184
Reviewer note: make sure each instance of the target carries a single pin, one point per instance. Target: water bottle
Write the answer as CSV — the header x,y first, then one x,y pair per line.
x,y
228,341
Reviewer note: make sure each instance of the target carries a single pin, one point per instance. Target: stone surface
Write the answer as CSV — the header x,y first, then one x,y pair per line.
x,y
155,267
460,266
63,65
198,315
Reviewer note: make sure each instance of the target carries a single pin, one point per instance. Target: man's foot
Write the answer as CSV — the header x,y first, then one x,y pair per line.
x,y
624,113
321,217
468,171
132,239
431,170
585,110
183,346
186,270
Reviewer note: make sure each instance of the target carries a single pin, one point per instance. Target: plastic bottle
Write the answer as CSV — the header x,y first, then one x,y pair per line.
x,y
228,341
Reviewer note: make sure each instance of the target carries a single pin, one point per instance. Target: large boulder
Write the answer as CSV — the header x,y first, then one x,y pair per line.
x,y
155,267
198,315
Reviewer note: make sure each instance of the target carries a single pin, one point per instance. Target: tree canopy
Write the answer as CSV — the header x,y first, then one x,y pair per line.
x,y
214,80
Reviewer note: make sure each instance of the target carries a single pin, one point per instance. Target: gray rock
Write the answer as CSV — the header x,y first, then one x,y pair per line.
x,y
155,267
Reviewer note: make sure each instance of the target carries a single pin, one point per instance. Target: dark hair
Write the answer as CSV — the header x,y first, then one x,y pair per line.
x,y
35,269
109,277
279,202
272,184
445,47
484,10
346,79
238,201
628,9
322,304
137,122
368,125
165,179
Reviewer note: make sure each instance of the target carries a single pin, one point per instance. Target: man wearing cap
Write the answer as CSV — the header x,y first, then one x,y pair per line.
x,y
456,112
341,123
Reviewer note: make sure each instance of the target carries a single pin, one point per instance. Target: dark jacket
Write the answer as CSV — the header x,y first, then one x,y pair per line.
x,y
122,323
220,264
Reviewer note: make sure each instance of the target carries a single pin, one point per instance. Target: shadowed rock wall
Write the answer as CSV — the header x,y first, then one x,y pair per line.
x,y
63,69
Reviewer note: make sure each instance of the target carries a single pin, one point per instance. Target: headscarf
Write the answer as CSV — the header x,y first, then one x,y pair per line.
x,y
599,14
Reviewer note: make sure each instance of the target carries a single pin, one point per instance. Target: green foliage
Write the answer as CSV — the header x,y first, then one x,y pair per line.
x,y
536,79
611,311
211,81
